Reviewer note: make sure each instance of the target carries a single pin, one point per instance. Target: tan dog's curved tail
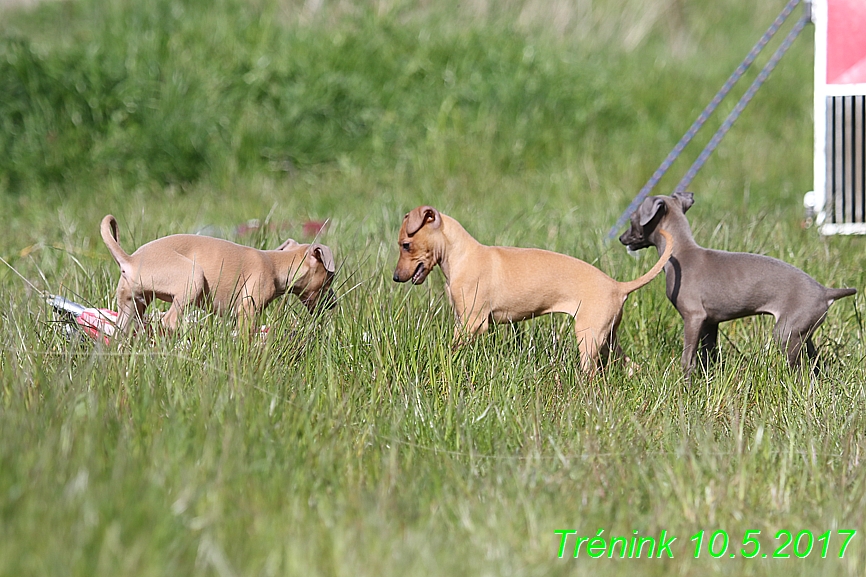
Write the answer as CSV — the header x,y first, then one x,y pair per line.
x,y
108,228
629,287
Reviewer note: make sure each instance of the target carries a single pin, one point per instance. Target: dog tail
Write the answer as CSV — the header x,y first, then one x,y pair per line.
x,y
108,228
630,287
834,294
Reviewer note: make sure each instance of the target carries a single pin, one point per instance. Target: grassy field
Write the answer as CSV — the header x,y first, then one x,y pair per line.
x,y
357,442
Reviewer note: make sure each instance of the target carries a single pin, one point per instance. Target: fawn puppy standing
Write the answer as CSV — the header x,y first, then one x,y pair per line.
x,y
503,284
185,269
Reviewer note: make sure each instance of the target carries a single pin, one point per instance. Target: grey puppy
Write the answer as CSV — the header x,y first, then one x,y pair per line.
x,y
711,286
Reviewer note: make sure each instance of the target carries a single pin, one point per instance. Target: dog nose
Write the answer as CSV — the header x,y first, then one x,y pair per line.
x,y
395,277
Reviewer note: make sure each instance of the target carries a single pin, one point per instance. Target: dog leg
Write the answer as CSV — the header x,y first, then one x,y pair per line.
x,y
812,355
246,318
130,313
587,347
473,318
709,337
793,333
468,329
194,293
792,342
692,330
170,319
130,307
615,351
594,337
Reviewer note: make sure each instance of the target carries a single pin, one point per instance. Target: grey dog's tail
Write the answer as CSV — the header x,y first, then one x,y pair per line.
x,y
108,228
631,286
834,294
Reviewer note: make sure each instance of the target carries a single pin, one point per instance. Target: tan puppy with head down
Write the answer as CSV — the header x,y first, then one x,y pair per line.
x,y
503,284
185,269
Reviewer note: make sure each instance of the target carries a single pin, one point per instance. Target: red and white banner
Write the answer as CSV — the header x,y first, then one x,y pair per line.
x,y
846,42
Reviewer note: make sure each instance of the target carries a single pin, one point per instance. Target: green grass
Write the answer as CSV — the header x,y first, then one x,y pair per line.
x,y
357,442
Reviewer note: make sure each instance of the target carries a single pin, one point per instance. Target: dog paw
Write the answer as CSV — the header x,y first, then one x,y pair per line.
x,y
631,367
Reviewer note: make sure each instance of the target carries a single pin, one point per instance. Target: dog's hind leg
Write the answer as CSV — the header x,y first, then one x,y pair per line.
x,y
793,343
793,334
793,347
595,337
587,345
709,338
130,306
246,316
194,293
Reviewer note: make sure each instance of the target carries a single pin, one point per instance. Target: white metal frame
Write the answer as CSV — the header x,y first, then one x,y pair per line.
x,y
817,200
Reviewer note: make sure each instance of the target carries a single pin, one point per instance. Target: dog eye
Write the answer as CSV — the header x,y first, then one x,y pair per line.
x,y
406,246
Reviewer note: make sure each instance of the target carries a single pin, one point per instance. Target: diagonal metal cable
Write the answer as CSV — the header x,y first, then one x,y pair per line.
x,y
741,105
704,115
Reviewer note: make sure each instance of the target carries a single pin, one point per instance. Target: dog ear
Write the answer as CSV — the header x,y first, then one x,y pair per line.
x,y
650,208
420,216
687,199
290,243
324,255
